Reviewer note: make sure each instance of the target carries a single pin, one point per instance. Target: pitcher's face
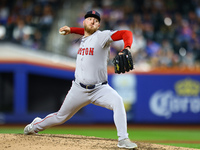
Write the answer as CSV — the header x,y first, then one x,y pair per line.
x,y
91,25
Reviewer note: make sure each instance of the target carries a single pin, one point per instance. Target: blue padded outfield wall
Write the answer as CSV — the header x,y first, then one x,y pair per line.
x,y
148,98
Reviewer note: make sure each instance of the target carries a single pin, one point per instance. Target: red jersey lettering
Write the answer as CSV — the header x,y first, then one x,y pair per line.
x,y
91,51
85,51
79,51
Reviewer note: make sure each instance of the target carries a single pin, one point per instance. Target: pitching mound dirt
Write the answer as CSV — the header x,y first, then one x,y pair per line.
x,y
68,142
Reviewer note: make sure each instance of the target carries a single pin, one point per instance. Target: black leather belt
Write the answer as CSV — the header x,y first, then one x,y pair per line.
x,y
92,86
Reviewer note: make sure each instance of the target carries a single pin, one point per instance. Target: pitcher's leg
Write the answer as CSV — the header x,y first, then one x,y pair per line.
x,y
120,118
109,98
70,106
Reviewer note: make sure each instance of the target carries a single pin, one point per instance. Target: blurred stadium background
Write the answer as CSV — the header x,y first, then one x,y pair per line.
x,y
37,64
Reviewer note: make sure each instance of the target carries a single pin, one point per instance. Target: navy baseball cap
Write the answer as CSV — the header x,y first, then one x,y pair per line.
x,y
94,14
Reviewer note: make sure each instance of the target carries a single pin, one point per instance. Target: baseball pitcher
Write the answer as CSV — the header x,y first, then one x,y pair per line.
x,y
90,84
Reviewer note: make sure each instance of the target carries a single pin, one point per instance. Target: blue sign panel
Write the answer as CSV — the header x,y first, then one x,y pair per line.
x,y
168,99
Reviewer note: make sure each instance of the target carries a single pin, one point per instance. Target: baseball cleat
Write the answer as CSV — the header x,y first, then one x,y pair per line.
x,y
29,128
126,143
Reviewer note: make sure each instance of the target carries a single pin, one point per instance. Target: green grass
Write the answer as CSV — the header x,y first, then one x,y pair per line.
x,y
152,135
8,130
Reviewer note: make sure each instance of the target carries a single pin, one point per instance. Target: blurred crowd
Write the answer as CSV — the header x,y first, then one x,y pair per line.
x,y
165,32
27,22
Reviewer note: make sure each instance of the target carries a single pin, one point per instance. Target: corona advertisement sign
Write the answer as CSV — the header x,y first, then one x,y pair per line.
x,y
175,99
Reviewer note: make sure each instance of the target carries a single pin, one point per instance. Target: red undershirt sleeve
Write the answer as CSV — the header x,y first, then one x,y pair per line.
x,y
124,35
77,30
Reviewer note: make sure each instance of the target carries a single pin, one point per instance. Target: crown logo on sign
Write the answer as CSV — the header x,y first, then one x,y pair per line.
x,y
187,87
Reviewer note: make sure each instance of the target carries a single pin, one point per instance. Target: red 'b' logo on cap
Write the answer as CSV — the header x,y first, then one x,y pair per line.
x,y
93,12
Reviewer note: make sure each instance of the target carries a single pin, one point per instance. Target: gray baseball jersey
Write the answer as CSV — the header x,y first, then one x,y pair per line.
x,y
92,56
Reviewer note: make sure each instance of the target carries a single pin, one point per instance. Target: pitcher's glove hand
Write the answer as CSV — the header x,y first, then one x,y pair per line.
x,y
123,62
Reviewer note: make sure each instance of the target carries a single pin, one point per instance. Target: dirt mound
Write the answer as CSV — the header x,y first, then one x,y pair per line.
x,y
68,142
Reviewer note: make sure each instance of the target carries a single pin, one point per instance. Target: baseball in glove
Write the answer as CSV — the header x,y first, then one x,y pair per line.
x,y
123,62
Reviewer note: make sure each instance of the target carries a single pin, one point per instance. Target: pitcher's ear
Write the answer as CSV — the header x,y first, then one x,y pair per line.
x,y
83,22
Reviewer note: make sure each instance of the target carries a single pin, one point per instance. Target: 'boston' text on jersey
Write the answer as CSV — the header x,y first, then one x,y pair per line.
x,y
86,51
